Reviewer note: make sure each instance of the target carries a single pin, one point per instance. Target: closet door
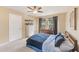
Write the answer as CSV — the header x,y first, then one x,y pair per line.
x,y
15,27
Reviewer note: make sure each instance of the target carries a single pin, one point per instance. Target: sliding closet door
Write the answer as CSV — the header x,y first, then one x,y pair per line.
x,y
15,27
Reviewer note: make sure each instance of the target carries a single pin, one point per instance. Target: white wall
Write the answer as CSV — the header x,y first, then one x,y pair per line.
x,y
74,33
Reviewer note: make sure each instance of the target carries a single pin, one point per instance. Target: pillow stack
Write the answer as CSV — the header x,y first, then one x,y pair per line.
x,y
59,40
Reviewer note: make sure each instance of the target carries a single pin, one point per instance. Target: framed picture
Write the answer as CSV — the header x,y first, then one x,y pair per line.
x,y
73,19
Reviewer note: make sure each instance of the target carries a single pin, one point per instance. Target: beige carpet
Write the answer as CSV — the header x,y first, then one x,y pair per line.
x,y
16,46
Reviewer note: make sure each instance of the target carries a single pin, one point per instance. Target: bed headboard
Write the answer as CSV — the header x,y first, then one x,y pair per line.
x,y
72,40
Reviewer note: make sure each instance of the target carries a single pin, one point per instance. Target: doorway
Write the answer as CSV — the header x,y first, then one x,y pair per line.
x,y
29,28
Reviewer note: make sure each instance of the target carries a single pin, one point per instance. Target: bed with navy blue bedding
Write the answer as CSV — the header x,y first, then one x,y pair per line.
x,y
36,41
49,43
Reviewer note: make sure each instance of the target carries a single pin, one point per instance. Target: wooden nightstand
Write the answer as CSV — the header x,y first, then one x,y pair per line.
x,y
47,31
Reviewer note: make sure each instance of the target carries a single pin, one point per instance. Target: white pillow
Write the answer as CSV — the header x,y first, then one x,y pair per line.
x,y
66,46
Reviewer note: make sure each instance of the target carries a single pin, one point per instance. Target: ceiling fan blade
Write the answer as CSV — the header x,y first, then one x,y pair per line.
x,y
29,11
39,8
40,11
30,8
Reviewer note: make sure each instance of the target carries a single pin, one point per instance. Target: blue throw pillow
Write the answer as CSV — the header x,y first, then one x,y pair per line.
x,y
57,35
58,40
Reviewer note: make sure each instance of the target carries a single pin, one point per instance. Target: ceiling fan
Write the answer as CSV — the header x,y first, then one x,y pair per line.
x,y
35,9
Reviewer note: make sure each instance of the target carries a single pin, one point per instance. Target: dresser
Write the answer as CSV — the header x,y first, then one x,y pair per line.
x,y
47,31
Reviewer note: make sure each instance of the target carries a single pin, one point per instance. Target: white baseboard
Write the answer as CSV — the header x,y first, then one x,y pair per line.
x,y
2,44
5,43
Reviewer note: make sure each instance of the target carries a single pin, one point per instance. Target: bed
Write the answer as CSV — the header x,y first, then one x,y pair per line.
x,y
47,43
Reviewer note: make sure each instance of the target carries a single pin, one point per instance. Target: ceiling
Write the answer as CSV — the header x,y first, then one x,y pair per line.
x,y
47,10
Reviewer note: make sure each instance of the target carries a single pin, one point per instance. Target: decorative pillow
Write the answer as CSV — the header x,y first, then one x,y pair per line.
x,y
57,35
66,46
59,40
